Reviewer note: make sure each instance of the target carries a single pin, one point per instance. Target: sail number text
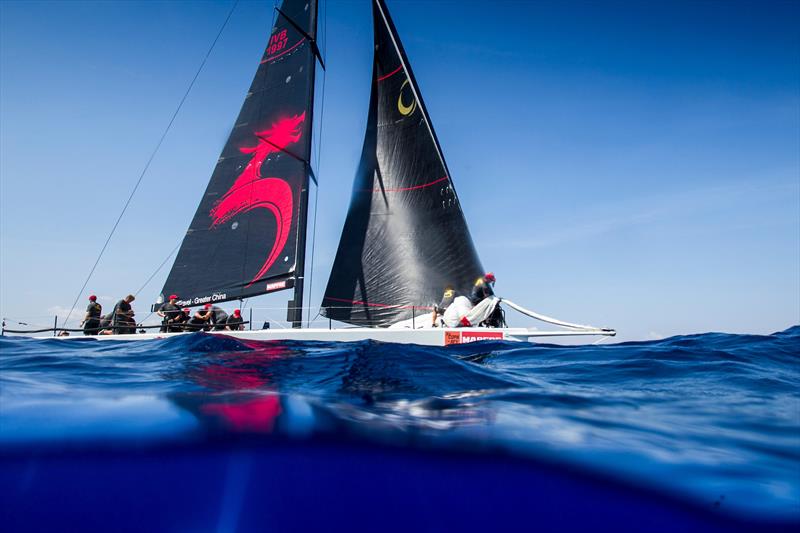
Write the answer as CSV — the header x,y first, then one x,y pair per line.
x,y
277,43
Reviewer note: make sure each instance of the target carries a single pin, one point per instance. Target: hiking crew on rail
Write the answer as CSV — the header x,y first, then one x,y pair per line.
x,y
173,319
91,322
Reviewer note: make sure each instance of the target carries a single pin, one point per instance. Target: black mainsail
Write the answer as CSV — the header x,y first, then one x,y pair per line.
x,y
248,234
405,237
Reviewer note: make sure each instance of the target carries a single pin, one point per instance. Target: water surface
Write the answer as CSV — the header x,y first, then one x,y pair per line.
x,y
714,418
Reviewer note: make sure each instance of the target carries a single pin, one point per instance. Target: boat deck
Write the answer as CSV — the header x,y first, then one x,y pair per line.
x,y
430,337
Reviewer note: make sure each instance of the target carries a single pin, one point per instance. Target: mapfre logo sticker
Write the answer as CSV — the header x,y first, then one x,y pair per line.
x,y
276,285
463,337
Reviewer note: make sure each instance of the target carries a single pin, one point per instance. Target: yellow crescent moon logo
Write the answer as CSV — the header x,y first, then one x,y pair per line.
x,y
405,110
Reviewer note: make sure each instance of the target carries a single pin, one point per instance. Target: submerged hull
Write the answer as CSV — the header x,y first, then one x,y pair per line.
x,y
428,337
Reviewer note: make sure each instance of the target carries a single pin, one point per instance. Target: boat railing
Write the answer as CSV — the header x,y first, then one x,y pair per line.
x,y
273,317
59,331
258,318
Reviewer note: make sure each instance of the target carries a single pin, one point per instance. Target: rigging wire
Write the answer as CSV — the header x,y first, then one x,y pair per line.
x,y
319,157
164,262
150,160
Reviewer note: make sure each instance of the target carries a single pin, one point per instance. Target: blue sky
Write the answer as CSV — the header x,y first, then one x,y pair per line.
x,y
634,165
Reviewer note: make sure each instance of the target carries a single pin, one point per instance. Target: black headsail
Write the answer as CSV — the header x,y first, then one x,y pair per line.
x,y
405,238
248,234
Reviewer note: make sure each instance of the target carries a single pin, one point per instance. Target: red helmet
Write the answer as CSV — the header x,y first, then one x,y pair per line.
x,y
207,306
173,297
93,298
237,312
489,276
186,310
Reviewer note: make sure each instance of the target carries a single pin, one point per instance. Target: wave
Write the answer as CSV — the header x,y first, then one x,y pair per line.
x,y
703,414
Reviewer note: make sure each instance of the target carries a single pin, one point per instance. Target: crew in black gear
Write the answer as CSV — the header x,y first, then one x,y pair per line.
x,y
105,325
201,321
447,298
183,319
235,322
482,288
438,310
216,316
170,312
122,317
91,322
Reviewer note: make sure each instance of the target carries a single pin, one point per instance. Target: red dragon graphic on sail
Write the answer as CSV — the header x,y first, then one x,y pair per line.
x,y
253,191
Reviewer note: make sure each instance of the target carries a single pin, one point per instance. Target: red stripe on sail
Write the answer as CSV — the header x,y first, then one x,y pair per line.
x,y
414,188
369,304
392,73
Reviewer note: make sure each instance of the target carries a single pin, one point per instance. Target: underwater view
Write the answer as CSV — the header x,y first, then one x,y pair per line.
x,y
692,432
630,167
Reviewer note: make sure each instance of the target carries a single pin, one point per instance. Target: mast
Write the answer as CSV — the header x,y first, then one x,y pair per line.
x,y
294,310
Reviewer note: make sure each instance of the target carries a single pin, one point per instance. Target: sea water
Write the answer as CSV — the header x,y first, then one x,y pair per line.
x,y
711,419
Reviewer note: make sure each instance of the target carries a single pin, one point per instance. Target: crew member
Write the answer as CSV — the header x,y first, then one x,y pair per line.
x,y
215,316
438,310
91,322
122,317
482,288
170,313
183,319
199,321
475,310
105,325
235,322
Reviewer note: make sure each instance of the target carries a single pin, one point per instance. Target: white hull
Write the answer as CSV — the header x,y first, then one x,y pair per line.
x,y
430,337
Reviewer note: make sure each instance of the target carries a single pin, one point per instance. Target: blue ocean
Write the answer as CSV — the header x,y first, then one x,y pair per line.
x,y
205,433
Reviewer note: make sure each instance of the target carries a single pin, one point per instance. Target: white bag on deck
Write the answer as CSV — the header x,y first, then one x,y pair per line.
x,y
462,308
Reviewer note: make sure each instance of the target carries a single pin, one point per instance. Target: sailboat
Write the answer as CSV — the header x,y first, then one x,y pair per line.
x,y
405,237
